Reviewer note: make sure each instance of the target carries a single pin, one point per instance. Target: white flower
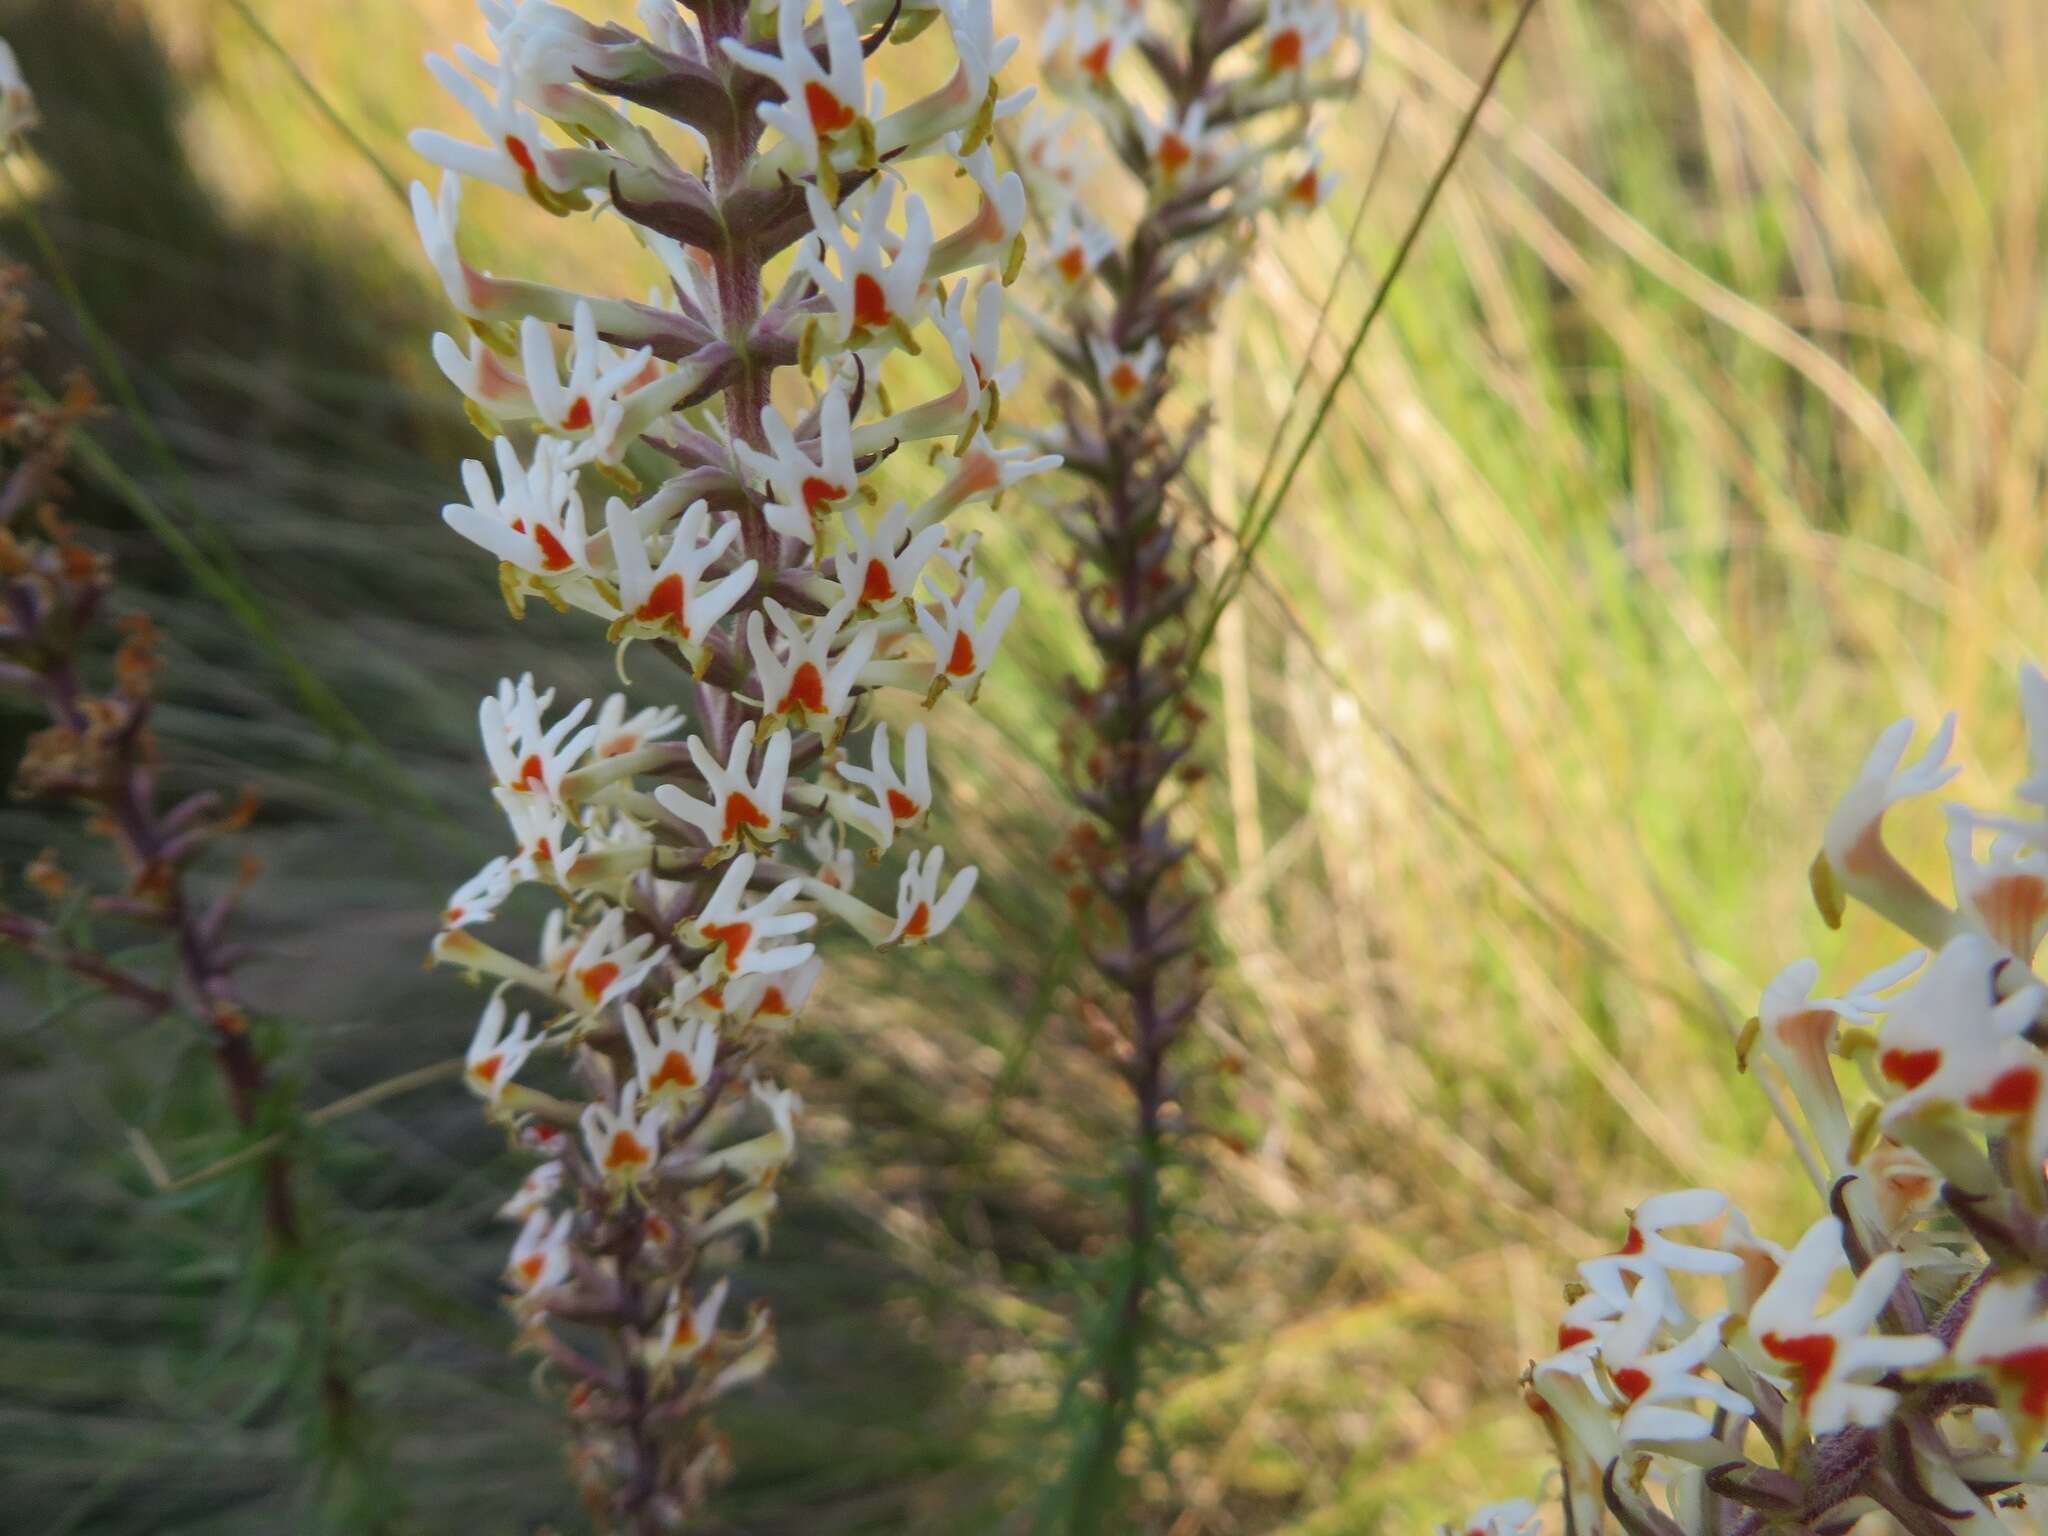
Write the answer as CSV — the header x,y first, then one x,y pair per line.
x,y
1178,147
614,733
877,292
1298,32
1047,151
2006,1339
671,598
495,1057
607,965
1075,247
540,1257
1829,1361
883,564
822,103
774,1001
921,912
519,156
622,1144
738,932
897,801
989,237
1949,1044
1798,1030
1124,374
1078,46
1647,1252
526,756
685,1331
963,644
2004,893
1651,1380
741,805
478,898
766,1153
589,398
803,487
978,349
1853,850
480,373
983,470
535,1191
806,683
536,521
673,1060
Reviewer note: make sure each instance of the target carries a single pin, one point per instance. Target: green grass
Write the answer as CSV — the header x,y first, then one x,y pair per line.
x,y
1703,436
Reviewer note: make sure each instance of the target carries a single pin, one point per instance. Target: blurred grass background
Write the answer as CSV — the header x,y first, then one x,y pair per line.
x,y
1704,435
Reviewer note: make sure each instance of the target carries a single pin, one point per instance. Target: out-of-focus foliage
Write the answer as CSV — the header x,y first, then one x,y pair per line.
x,y
1704,434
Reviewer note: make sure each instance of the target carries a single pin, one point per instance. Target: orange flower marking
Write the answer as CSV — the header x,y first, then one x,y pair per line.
x,y
2026,1369
870,304
1634,1242
1173,153
1909,1069
818,492
1569,1334
1096,60
902,807
1284,52
961,662
806,691
2013,1093
1073,263
1633,1382
1808,1356
597,978
578,419
532,775
531,1266
735,937
828,113
877,586
675,1071
553,556
486,1071
1123,381
773,1005
741,812
626,1151
714,998
521,155
665,604
920,923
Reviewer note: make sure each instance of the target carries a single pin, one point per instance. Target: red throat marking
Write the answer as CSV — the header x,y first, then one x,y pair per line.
x,y
553,556
870,304
1808,1355
665,604
675,1071
828,113
1909,1069
741,812
806,692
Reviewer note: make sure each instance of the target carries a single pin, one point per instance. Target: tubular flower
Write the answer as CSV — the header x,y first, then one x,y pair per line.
x,y
495,1057
1829,1361
733,540
1872,1393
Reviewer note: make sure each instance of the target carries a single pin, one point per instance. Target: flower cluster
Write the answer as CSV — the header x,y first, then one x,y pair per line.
x,y
1707,1379
1208,107
652,470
